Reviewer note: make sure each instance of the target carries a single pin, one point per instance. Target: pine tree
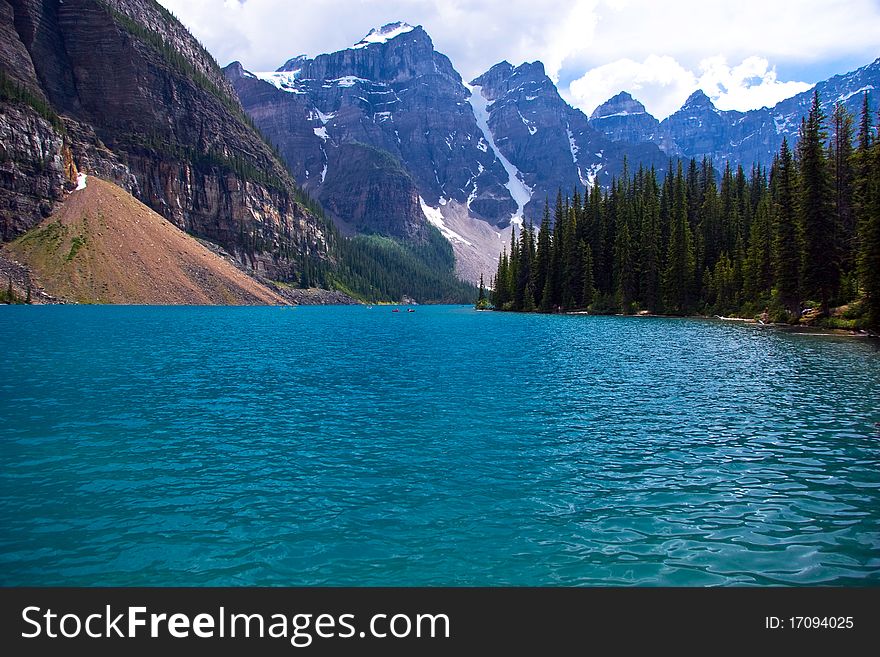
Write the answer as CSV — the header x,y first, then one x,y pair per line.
x,y
861,190
524,296
678,278
842,174
820,270
786,238
513,269
758,268
482,301
869,242
627,280
693,195
588,292
542,258
709,243
597,234
572,276
557,256
501,295
649,284
723,287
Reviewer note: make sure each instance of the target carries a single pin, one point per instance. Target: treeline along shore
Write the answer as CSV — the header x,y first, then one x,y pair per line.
x,y
799,241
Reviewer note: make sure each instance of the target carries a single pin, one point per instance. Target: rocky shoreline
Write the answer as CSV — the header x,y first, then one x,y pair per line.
x,y
804,329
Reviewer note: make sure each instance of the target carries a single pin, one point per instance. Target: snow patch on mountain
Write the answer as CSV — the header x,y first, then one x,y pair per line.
x,y
519,191
845,97
435,218
324,118
527,123
282,80
384,34
345,81
592,172
573,147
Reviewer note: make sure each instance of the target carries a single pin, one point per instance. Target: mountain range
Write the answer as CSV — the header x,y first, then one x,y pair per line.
x,y
390,139
699,129
375,169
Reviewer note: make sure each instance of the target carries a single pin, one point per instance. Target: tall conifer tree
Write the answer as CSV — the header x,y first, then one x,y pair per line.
x,y
786,239
820,273
678,278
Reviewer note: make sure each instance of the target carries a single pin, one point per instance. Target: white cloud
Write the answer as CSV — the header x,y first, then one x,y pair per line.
x,y
750,84
663,84
662,46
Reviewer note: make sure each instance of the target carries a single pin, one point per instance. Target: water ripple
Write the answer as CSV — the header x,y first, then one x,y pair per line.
x,y
310,446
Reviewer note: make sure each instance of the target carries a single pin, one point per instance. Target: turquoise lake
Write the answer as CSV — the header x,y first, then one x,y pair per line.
x,y
355,446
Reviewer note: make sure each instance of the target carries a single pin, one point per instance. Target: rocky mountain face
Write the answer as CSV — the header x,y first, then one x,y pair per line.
x,y
699,129
550,144
387,136
394,93
152,113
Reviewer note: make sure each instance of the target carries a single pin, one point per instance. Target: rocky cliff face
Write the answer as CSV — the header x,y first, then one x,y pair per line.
x,y
699,129
371,193
31,169
154,114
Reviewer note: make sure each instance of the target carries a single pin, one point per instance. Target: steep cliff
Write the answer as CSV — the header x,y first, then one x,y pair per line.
x,y
130,95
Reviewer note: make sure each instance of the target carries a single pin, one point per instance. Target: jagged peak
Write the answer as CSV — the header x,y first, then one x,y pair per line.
x,y
386,33
699,99
534,69
501,71
620,105
235,70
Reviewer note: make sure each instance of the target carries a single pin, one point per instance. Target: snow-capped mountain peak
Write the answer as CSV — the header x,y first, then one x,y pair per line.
x,y
384,34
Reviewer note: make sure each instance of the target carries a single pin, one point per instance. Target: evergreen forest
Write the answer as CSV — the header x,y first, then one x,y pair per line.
x,y
797,242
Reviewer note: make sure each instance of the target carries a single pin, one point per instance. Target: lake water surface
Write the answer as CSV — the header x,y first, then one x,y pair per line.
x,y
355,446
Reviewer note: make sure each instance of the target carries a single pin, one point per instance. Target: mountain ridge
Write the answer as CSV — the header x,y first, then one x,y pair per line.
x,y
699,129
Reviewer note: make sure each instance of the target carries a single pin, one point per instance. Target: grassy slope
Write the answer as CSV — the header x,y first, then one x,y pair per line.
x,y
104,246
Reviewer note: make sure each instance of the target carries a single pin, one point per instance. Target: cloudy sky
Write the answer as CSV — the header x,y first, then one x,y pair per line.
x,y
742,53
